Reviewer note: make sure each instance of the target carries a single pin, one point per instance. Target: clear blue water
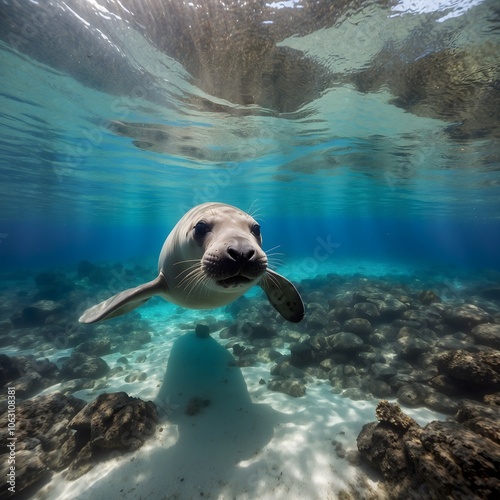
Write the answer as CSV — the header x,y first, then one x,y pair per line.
x,y
364,136
108,134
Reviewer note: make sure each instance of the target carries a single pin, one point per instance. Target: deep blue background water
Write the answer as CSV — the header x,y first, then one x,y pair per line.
x,y
443,241
80,180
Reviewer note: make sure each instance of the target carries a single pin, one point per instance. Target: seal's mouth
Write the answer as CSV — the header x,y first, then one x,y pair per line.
x,y
234,281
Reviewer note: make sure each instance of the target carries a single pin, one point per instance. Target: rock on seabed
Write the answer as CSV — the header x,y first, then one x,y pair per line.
x,y
443,460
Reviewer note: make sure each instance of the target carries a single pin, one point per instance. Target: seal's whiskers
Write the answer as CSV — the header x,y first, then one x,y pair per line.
x,y
271,278
189,269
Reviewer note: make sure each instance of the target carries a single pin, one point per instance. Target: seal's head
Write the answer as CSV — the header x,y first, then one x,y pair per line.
x,y
226,249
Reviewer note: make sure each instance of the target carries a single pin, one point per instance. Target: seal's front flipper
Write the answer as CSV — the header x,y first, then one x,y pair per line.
x,y
125,301
283,296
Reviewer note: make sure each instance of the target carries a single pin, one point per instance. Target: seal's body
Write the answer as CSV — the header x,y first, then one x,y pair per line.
x,y
212,256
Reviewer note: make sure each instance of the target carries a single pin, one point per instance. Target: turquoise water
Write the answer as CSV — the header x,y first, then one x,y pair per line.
x,y
363,136
106,140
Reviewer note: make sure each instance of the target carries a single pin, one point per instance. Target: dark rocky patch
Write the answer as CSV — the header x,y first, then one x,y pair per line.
x,y
128,346
453,459
342,314
95,347
389,307
37,313
290,386
440,402
28,374
467,316
291,335
75,385
132,341
345,342
259,331
81,365
396,351
44,441
8,370
267,355
412,394
377,387
487,334
358,326
427,297
112,422
475,373
410,349
384,370
285,369
317,319
312,350
366,310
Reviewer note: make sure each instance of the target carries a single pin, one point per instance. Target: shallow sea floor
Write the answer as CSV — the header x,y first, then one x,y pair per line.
x,y
247,441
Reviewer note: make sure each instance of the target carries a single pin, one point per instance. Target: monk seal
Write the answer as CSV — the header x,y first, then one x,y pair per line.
x,y
212,256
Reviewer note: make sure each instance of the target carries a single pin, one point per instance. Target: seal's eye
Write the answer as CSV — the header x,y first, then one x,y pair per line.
x,y
256,230
201,229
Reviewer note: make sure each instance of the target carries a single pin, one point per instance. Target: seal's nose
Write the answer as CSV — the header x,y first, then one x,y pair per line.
x,y
241,252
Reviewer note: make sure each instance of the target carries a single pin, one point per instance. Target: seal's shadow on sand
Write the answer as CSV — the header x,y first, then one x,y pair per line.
x,y
228,430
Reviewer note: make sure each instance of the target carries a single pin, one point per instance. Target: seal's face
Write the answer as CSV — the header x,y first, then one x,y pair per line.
x,y
229,244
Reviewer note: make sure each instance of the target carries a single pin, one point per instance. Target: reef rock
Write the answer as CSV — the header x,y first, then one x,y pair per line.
x,y
441,460
81,365
317,319
440,402
410,349
412,394
290,386
8,370
28,374
345,342
365,310
383,370
378,388
487,334
96,347
456,462
111,422
427,297
476,372
312,350
41,435
358,326
466,316
35,314
390,307
342,313
480,418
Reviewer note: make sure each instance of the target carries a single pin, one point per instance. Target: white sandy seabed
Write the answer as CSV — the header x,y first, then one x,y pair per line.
x,y
248,443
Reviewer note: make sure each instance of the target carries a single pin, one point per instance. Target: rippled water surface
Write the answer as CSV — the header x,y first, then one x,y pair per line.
x,y
363,136
129,113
